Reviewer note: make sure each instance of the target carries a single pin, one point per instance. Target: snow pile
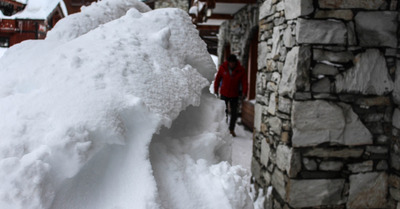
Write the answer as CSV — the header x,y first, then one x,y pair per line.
x,y
78,118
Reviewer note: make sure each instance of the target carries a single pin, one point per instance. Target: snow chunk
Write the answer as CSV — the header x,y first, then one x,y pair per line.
x,y
77,116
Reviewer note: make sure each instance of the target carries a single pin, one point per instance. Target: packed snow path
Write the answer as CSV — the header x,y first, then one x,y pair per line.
x,y
106,116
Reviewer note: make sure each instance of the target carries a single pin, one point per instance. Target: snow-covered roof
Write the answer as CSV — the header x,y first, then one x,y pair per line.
x,y
37,9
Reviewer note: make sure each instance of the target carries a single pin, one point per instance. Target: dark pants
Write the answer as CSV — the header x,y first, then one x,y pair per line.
x,y
232,109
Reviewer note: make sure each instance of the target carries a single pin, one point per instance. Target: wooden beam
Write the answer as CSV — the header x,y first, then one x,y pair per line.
x,y
221,16
208,27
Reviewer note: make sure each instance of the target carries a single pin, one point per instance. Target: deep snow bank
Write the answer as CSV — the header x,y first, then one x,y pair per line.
x,y
78,117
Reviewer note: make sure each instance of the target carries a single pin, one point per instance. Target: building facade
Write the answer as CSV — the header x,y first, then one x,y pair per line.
x,y
18,22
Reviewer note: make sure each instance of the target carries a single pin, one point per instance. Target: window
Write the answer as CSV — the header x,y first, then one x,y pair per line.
x,y
4,42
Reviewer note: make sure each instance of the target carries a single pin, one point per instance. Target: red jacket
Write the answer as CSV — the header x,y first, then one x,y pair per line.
x,y
230,86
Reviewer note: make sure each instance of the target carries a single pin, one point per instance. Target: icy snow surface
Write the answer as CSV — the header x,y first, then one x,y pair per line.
x,y
104,117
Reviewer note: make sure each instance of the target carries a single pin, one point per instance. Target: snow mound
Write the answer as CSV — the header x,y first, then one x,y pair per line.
x,y
92,17
78,117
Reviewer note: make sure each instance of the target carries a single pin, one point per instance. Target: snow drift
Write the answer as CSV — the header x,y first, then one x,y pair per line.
x,y
80,109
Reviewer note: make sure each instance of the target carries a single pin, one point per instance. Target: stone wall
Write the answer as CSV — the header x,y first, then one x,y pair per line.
x,y
181,4
238,33
327,116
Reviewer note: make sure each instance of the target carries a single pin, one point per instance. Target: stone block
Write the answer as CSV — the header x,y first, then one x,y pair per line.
x,y
396,91
351,34
396,118
300,96
324,69
310,164
321,32
267,177
361,167
285,137
331,166
382,165
321,86
255,169
295,71
275,125
334,14
333,153
284,105
288,160
395,193
298,8
369,75
262,54
317,122
378,149
271,86
276,44
278,181
376,29
257,116
325,96
368,190
266,9
272,104
353,4
394,181
265,151
320,55
312,193
288,40
395,160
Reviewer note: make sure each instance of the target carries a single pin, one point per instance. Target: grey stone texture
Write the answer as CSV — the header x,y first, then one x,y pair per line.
x,y
396,118
396,90
266,9
285,105
351,4
368,190
295,71
257,116
369,75
278,181
324,69
288,160
310,164
298,8
335,14
321,32
334,153
321,86
317,122
377,28
320,55
265,152
331,166
275,125
310,193
365,166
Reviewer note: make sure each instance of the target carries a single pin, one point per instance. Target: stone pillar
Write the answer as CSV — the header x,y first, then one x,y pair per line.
x,y
327,116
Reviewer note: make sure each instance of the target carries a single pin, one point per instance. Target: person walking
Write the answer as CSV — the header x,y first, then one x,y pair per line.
x,y
231,83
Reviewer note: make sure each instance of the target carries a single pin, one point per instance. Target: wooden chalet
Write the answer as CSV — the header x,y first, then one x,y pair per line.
x,y
20,21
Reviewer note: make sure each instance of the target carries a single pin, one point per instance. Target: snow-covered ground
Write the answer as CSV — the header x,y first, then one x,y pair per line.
x,y
114,112
2,51
242,147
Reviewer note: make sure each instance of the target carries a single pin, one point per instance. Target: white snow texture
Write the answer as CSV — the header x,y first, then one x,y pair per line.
x,y
101,115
